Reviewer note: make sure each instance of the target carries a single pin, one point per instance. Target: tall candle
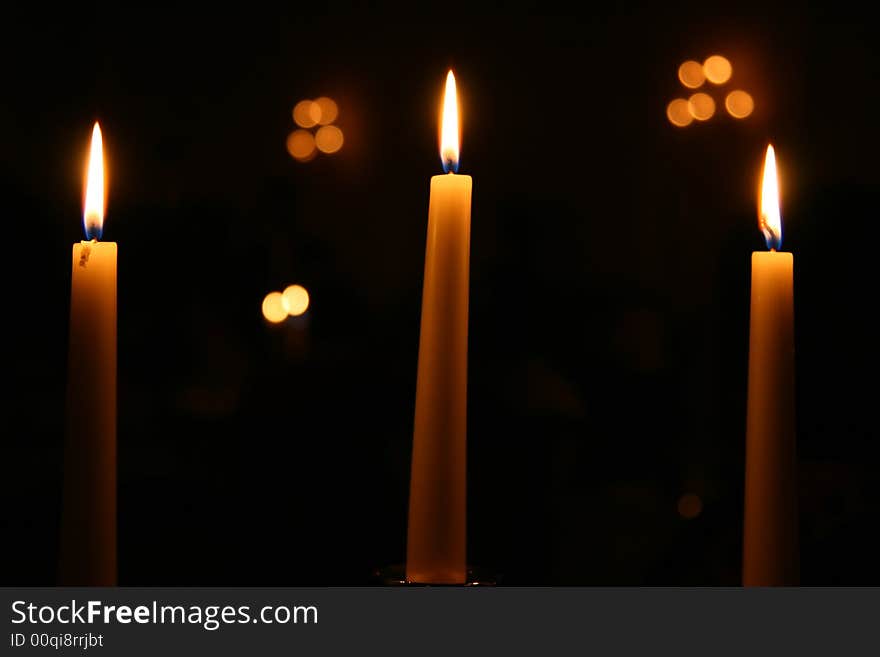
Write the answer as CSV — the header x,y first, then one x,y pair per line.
x,y
437,503
88,525
770,541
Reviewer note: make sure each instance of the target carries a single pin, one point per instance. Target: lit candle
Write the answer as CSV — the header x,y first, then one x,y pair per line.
x,y
88,526
770,545
437,508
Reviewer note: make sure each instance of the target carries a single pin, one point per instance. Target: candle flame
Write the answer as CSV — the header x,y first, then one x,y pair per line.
x,y
769,219
93,206
449,128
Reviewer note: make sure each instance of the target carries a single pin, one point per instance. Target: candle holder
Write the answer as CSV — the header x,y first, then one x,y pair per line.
x,y
395,575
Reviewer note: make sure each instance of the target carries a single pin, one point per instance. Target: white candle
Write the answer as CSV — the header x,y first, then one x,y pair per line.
x,y
770,541
437,505
88,526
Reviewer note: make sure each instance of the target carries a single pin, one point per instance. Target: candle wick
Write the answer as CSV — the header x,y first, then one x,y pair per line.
x,y
772,249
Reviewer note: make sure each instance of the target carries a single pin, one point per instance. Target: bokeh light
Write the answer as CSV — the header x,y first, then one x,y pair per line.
x,y
301,145
701,106
273,308
691,74
295,300
679,113
717,69
303,113
324,110
739,104
328,139
690,506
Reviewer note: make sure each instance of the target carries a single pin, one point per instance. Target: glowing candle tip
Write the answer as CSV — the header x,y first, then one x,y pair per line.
x,y
93,206
449,127
769,219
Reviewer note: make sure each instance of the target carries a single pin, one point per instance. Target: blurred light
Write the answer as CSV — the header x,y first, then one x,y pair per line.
x,y
328,139
678,113
295,300
690,506
717,69
324,110
739,104
302,114
691,74
701,106
273,307
769,218
314,114
449,127
93,204
301,145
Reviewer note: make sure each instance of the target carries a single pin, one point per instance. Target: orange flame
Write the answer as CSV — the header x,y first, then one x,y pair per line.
x,y
769,219
449,127
93,206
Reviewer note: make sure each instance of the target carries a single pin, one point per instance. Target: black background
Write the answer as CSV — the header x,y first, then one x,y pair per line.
x,y
609,284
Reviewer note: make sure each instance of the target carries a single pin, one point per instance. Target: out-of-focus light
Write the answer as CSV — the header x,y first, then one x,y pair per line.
x,y
93,203
769,217
690,506
739,104
302,113
717,69
324,110
314,113
301,145
273,308
691,74
450,137
329,139
678,113
701,106
295,300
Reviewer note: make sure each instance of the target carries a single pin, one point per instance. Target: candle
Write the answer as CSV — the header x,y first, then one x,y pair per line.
x,y
88,526
770,545
437,508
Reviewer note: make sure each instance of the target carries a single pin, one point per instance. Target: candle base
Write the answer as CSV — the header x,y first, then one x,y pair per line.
x,y
395,575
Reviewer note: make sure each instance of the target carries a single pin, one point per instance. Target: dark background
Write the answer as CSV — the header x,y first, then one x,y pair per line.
x,y
609,285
